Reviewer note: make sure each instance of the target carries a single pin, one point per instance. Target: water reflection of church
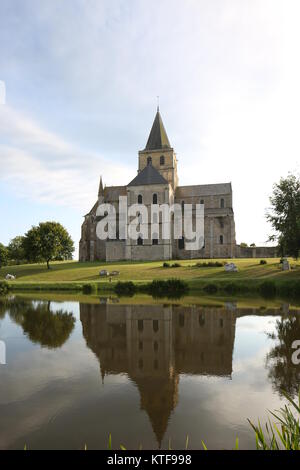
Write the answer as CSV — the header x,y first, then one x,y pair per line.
x,y
153,344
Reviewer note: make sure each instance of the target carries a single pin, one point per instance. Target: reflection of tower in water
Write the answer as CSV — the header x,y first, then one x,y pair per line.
x,y
153,344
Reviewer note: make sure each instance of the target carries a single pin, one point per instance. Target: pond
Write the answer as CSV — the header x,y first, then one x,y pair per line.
x,y
147,371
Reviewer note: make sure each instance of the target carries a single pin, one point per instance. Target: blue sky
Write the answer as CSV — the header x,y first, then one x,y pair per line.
x,y
82,78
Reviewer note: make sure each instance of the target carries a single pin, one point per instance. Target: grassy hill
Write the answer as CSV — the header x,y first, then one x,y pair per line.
x,y
73,273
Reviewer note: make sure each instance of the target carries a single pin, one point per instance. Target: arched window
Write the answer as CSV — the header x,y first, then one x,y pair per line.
x,y
162,160
222,203
140,241
149,160
155,346
154,198
221,239
155,326
201,201
140,199
182,206
181,243
140,325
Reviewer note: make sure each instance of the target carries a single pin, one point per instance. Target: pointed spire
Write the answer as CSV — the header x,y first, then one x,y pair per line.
x,y
101,191
158,138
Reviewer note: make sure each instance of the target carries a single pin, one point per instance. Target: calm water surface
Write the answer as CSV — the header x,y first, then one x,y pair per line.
x,y
143,370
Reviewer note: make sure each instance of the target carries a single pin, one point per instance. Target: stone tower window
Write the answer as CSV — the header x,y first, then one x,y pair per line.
x,y
154,199
221,239
222,203
149,160
140,241
140,199
162,160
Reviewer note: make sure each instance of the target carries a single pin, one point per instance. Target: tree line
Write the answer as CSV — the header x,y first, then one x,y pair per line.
x,y
45,242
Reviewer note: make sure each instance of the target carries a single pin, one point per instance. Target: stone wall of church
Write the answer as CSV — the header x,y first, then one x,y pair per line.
x,y
115,250
256,252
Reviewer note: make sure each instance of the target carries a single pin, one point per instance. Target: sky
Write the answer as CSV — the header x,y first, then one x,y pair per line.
x,y
82,79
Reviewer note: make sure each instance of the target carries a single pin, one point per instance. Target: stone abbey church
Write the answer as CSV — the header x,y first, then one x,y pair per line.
x,y
157,183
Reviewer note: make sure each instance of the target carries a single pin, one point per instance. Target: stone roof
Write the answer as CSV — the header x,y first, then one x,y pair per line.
x,y
203,190
149,175
158,138
112,193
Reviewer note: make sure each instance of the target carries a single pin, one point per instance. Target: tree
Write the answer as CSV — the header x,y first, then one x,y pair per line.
x,y
16,250
3,255
284,215
283,373
253,245
48,241
42,325
243,245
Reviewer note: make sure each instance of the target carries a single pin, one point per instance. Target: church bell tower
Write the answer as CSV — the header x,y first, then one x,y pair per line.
x,y
159,153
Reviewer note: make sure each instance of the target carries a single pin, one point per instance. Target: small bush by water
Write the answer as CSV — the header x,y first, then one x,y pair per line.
x,y
210,288
3,288
167,288
263,261
125,288
268,289
89,289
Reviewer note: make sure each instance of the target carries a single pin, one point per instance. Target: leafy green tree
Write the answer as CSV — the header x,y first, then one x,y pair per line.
x,y
284,215
42,325
48,241
16,250
283,373
243,245
3,255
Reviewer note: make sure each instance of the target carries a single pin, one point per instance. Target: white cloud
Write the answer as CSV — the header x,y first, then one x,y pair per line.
x,y
40,165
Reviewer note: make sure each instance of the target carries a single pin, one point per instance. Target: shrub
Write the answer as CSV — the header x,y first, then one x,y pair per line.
x,y
3,288
289,289
167,288
210,288
89,288
263,261
231,288
268,289
210,264
176,265
166,265
125,288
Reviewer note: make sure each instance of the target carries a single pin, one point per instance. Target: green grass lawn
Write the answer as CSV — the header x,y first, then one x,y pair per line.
x,y
75,272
